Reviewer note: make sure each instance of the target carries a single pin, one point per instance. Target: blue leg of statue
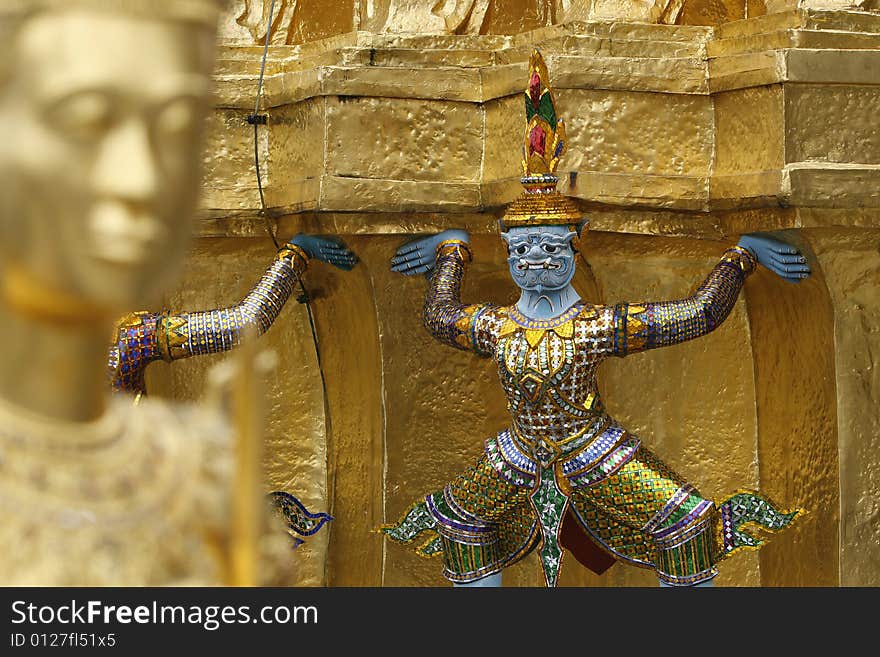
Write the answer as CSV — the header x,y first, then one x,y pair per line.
x,y
486,582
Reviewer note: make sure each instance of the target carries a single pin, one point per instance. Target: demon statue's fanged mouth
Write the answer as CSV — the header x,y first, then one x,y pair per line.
x,y
541,257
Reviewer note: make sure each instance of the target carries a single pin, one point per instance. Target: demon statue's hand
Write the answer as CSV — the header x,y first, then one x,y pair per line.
x,y
331,251
417,257
777,256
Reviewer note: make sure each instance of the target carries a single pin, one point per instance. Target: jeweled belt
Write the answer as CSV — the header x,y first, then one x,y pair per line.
x,y
545,450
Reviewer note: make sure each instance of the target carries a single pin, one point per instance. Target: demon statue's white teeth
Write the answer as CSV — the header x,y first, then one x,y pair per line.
x,y
524,265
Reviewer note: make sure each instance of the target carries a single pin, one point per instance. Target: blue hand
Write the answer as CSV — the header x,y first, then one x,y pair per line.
x,y
417,257
331,251
777,256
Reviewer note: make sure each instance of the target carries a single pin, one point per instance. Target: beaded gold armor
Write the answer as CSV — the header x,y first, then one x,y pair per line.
x,y
140,497
563,460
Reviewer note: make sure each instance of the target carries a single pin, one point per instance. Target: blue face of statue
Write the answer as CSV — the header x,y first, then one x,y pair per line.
x,y
541,258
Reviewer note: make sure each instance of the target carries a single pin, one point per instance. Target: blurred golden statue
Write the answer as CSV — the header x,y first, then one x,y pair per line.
x,y
102,106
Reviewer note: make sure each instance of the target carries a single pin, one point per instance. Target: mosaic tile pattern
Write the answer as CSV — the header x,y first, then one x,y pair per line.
x,y
301,523
142,338
624,498
549,503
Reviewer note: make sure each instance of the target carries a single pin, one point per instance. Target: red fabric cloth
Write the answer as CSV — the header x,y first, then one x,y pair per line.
x,y
573,538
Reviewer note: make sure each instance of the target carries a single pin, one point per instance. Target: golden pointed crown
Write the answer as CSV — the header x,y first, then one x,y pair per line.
x,y
199,11
543,144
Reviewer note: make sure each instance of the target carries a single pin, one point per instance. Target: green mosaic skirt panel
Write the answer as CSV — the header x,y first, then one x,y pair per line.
x,y
483,493
647,515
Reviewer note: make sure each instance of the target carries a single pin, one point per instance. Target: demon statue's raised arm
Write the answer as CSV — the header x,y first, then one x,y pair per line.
x,y
144,337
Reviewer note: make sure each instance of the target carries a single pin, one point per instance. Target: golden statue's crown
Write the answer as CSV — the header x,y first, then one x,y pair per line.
x,y
544,143
198,11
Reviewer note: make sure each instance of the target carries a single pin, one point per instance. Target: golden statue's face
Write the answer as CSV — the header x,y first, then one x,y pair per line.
x,y
101,115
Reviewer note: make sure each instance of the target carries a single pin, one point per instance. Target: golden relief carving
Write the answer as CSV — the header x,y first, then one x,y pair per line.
x,y
255,15
301,21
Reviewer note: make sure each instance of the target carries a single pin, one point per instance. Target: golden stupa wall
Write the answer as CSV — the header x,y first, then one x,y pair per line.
x,y
682,137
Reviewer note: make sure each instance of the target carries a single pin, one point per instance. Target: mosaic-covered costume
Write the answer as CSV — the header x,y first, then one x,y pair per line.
x,y
563,454
565,474
145,337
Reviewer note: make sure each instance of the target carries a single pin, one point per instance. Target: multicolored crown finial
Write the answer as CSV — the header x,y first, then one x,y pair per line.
x,y
545,133
543,145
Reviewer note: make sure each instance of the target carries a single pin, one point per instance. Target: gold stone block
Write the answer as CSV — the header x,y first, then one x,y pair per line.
x,y
749,127
405,139
749,147
636,133
832,123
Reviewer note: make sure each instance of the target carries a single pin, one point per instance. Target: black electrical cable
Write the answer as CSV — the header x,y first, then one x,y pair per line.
x,y
256,120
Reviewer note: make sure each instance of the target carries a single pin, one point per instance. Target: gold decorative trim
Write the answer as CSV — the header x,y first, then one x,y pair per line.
x,y
535,330
171,338
460,246
750,261
132,320
291,251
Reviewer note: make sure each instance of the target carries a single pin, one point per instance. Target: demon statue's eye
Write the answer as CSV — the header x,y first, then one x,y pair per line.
x,y
551,248
521,249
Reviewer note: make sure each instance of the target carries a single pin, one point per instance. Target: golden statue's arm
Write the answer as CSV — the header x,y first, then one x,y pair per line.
x,y
144,337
